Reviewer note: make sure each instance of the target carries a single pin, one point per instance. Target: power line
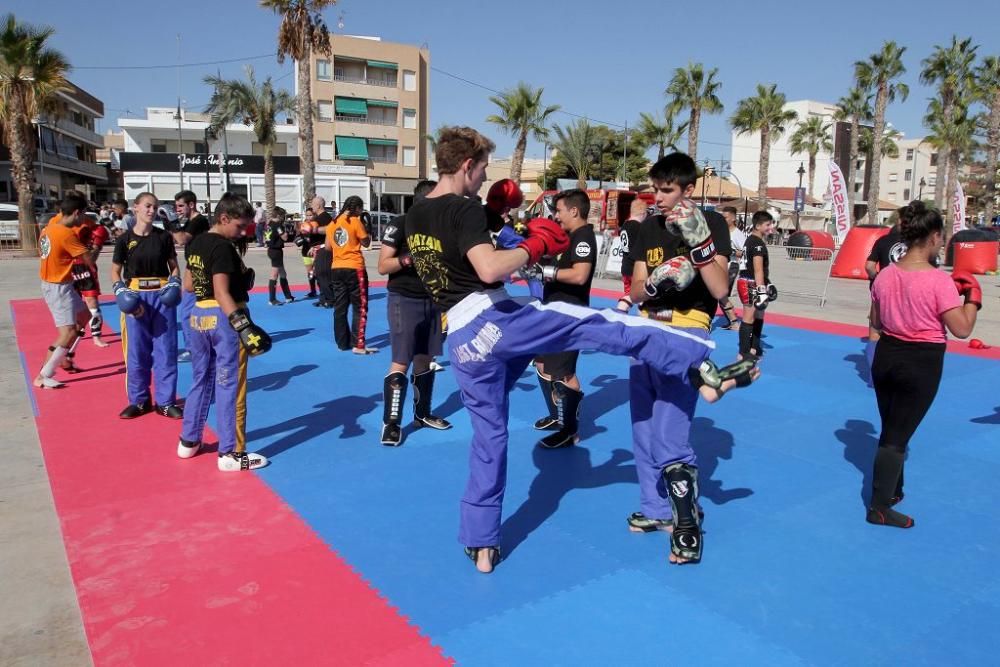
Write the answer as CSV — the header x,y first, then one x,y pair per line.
x,y
201,64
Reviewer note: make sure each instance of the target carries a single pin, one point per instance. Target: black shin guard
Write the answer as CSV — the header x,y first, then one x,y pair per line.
x,y
681,481
550,422
271,287
885,476
758,327
423,393
286,289
568,411
746,334
312,283
393,394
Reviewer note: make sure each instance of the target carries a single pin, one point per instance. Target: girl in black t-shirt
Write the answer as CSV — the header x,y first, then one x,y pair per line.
x,y
274,238
754,285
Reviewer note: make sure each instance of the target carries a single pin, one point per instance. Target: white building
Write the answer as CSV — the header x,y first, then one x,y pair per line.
x,y
154,146
900,177
783,163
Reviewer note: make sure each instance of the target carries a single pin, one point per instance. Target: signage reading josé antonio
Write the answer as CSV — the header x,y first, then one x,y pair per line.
x,y
199,162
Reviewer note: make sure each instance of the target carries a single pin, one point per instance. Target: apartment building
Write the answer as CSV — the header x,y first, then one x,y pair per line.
x,y
910,175
371,112
66,158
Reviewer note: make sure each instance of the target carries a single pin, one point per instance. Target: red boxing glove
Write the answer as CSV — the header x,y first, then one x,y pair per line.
x,y
503,196
544,239
968,286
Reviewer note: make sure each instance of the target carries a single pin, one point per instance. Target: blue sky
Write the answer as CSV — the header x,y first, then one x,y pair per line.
x,y
602,60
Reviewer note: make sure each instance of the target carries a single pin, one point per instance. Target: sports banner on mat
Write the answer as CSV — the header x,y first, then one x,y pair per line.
x,y
958,208
838,201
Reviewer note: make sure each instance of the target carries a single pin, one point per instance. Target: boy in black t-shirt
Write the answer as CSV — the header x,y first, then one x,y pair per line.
x,y
274,238
754,285
222,336
677,280
492,337
567,280
414,333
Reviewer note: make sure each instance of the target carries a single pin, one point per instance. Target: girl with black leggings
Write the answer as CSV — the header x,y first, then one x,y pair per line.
x,y
914,304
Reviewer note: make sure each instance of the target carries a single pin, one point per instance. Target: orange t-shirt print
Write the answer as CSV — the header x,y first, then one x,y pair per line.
x,y
58,247
344,236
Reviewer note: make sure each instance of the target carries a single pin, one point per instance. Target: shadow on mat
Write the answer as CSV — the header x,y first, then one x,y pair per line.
x,y
279,380
559,472
711,444
860,365
342,412
988,419
279,336
860,442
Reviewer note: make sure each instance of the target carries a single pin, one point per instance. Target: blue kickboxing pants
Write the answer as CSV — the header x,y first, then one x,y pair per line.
x,y
149,341
662,408
492,338
184,314
219,373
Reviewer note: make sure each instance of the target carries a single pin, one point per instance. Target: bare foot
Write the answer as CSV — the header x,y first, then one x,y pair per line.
x,y
712,395
666,528
677,560
43,382
484,559
100,343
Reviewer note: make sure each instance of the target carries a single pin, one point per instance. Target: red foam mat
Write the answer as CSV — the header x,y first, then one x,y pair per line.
x,y
177,563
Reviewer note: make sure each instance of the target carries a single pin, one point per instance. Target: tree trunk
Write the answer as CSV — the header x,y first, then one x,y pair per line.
x,y
693,132
940,174
305,118
949,226
881,100
20,140
269,179
661,151
518,159
992,152
855,138
765,162
812,172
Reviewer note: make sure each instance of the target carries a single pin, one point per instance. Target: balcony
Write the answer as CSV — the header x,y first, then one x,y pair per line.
x,y
348,78
58,162
365,120
76,131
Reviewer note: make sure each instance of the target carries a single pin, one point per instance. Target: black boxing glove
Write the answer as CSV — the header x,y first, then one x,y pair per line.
x,y
252,337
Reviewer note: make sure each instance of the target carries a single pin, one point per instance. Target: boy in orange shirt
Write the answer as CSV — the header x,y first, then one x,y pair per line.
x,y
345,237
59,246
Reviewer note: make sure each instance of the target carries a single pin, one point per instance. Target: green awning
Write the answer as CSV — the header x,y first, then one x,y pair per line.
x,y
352,148
383,64
350,106
383,142
382,103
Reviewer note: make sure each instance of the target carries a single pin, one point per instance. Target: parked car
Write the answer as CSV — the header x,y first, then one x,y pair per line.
x,y
10,229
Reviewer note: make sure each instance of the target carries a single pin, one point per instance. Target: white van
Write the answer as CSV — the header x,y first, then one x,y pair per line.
x,y
10,229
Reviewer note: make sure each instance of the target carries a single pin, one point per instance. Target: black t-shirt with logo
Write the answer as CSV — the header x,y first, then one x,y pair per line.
x,y
272,236
405,282
755,247
582,248
440,231
196,224
655,244
888,249
144,256
209,254
630,230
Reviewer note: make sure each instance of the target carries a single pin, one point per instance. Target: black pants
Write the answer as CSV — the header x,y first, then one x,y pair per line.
x,y
350,287
906,376
322,273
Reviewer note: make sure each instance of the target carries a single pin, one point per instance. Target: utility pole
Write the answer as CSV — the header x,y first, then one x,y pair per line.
x,y
180,133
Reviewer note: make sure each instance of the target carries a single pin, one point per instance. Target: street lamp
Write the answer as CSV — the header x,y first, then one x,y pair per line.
x,y
801,171
922,183
706,172
180,144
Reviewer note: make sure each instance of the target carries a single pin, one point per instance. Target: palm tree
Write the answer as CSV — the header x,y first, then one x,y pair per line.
x,y
811,136
255,105
954,133
522,113
303,31
866,144
576,143
951,68
692,89
659,131
988,92
854,107
31,74
764,113
880,73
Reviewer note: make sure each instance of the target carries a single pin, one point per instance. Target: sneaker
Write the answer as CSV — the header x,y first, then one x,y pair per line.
x,y
310,295
289,299
640,523
364,350
184,357
170,411
276,303
132,411
235,462
432,421
186,449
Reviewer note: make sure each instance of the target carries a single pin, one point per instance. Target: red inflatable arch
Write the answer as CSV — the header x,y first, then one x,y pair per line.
x,y
850,262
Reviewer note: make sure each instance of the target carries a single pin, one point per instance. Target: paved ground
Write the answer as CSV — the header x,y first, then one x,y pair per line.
x,y
43,627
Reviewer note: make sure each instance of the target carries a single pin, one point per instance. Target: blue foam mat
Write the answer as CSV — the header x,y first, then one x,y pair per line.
x,y
792,574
